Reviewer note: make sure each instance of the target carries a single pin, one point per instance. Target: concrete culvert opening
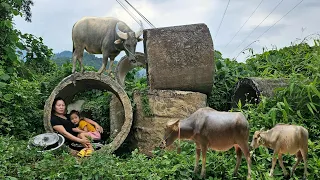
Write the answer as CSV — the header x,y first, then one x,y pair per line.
x,y
246,91
250,89
88,81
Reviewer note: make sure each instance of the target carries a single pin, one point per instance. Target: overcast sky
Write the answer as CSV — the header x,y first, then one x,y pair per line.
x,y
53,20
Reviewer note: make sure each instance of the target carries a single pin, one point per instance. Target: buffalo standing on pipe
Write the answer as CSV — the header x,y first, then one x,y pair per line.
x,y
103,35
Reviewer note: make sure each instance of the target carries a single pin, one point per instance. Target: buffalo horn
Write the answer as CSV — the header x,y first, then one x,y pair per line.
x,y
139,33
121,34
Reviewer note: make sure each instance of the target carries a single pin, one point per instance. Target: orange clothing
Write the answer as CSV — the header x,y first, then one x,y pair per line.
x,y
83,124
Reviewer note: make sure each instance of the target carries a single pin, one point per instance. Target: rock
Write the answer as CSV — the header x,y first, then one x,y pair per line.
x,y
165,105
180,58
75,106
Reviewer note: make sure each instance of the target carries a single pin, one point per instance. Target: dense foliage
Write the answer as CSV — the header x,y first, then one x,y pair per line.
x,y
27,79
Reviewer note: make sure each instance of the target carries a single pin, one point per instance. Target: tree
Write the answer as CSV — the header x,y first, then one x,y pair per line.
x,y
9,40
19,86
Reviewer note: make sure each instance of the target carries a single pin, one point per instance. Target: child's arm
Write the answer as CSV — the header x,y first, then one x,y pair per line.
x,y
77,130
96,125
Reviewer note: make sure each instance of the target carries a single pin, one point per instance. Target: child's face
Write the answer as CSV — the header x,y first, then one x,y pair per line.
x,y
75,118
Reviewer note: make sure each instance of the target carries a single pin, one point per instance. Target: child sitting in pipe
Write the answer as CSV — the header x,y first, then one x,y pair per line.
x,y
84,128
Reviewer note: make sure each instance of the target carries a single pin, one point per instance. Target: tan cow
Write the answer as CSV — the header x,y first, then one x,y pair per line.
x,y
284,138
213,129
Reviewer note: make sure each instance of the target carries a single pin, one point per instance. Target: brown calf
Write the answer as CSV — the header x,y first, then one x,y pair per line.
x,y
209,128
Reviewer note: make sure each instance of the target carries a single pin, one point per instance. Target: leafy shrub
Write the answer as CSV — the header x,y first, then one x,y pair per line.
x,y
17,162
24,89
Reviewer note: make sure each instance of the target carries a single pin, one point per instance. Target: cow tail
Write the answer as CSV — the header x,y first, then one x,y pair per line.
x,y
73,49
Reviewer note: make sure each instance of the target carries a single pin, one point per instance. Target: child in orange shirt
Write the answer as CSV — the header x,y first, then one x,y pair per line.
x,y
84,128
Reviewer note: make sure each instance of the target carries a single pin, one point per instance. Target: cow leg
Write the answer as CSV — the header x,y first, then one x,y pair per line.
x,y
204,156
198,151
274,161
245,149
77,53
239,155
299,158
304,153
109,70
104,62
74,62
80,62
285,172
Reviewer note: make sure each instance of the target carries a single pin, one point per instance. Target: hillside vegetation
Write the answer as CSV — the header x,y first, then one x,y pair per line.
x,y
26,84
88,59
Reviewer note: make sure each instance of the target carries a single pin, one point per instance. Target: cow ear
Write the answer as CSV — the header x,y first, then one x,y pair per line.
x,y
140,39
260,140
173,124
118,41
258,134
175,127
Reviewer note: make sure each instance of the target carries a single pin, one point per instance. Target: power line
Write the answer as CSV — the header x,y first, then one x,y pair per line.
x,y
280,19
141,15
273,24
244,23
129,12
222,19
258,25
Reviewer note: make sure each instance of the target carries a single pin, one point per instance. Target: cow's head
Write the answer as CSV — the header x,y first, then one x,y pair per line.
x,y
257,140
171,133
129,41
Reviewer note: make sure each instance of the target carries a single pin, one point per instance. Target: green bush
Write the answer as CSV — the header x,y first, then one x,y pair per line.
x,y
26,82
18,162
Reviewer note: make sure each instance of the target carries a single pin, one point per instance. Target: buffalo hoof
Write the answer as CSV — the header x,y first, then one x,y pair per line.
x,y
202,175
287,176
73,80
234,174
195,170
108,72
291,174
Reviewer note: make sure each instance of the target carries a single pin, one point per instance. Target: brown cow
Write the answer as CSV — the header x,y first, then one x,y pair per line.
x,y
213,129
284,138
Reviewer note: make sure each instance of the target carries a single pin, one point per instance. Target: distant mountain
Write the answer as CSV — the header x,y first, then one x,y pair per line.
x,y
63,54
88,59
